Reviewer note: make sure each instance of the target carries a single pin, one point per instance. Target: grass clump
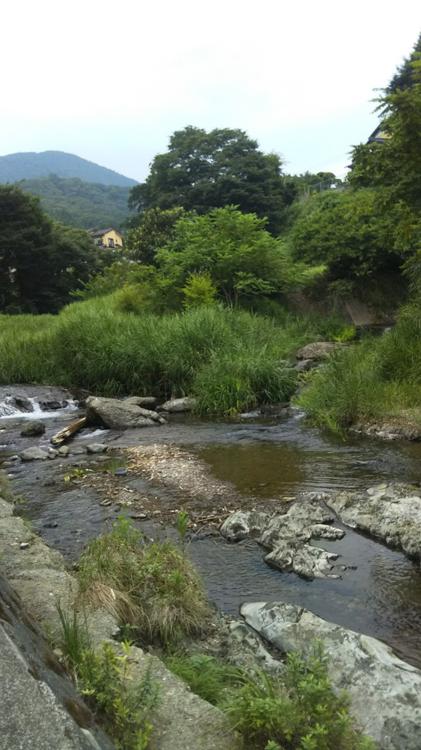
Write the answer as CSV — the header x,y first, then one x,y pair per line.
x,y
206,676
378,379
122,706
153,586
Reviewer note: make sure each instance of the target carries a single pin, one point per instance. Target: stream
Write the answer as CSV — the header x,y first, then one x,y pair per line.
x,y
380,591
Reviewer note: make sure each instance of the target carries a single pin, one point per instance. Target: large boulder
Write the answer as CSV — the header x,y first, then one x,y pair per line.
x,y
384,691
147,402
118,415
389,511
288,536
179,405
318,350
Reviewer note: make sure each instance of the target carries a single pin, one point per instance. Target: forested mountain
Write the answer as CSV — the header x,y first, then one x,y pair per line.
x,y
29,165
80,204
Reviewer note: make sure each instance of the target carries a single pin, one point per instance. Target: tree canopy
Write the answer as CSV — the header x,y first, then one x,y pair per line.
x,y
205,170
41,263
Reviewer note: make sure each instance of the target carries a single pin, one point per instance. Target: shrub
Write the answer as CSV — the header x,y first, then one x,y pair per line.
x,y
296,711
199,290
151,586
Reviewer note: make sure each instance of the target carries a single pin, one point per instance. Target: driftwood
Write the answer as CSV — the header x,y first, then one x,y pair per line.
x,y
69,431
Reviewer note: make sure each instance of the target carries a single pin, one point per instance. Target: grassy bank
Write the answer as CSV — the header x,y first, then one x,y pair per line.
x,y
229,359
377,380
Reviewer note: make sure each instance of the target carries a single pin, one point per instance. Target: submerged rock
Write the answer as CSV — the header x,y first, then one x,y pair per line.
x,y
179,405
385,692
33,454
317,350
389,511
33,429
287,535
118,415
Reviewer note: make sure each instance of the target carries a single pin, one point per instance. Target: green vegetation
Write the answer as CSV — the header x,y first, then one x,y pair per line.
x,y
41,263
122,706
229,359
378,379
80,204
296,710
202,171
153,587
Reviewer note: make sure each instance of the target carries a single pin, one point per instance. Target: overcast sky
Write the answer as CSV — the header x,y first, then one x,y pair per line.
x,y
110,81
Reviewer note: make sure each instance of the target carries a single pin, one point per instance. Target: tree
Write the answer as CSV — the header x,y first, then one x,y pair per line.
x,y
350,232
231,249
155,229
40,262
205,170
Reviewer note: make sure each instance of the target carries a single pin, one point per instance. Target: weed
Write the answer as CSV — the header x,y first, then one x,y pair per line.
x,y
206,676
75,474
295,711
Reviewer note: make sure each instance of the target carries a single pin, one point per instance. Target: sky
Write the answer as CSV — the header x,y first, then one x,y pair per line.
x,y
110,81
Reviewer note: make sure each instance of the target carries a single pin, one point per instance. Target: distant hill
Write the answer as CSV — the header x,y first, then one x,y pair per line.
x,y
30,165
80,204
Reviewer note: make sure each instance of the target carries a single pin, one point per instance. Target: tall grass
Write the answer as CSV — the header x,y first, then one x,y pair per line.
x,y
377,379
230,359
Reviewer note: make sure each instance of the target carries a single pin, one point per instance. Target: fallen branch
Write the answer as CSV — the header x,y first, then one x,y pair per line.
x,y
69,431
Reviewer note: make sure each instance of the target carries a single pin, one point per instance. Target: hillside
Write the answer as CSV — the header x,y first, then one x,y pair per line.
x,y
30,165
78,203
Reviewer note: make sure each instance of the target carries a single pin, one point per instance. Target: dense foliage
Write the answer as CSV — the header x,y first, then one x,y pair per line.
x,y
231,360
205,170
80,204
41,263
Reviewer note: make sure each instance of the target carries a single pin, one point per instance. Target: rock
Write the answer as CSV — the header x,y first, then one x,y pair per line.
x,y
40,708
33,429
288,535
52,453
147,402
318,350
23,403
64,450
33,454
96,448
385,692
179,405
389,511
53,405
242,524
118,415
303,365
181,720
399,428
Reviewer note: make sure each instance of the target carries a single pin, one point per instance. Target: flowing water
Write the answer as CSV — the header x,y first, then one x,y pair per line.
x,y
380,591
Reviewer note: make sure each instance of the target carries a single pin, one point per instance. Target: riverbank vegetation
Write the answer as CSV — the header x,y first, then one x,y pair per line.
x,y
229,359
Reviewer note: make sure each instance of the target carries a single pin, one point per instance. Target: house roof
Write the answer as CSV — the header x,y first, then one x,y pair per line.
x,y
101,232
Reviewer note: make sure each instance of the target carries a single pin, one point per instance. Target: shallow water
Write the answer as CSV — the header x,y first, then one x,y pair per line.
x,y
380,591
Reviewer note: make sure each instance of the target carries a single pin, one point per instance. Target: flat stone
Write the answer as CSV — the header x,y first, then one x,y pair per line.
x,y
33,429
96,448
33,454
384,691
147,402
179,405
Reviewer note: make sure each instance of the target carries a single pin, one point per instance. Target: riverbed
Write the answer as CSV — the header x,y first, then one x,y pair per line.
x,y
263,462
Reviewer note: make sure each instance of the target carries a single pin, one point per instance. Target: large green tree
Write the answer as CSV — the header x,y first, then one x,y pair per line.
x,y
41,263
205,170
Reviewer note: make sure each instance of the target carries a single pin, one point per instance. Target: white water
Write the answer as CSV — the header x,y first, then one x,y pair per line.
x,y
9,410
